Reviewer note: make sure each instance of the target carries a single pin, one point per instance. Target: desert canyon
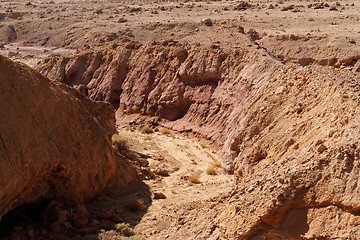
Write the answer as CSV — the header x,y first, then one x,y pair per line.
x,y
179,119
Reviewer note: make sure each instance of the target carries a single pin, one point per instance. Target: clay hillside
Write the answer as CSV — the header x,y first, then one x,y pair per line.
x,y
181,119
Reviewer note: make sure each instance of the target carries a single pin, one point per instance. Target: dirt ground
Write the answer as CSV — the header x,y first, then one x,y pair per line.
x,y
32,30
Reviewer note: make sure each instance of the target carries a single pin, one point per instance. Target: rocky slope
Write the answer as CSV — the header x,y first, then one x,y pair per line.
x,y
297,151
288,133
54,143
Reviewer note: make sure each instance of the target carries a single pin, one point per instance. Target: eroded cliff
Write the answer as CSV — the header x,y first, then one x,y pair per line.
x,y
289,133
54,142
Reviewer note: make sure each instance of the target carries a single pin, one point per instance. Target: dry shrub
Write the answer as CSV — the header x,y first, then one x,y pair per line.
x,y
217,164
136,205
124,229
194,178
202,145
146,129
211,171
165,131
119,143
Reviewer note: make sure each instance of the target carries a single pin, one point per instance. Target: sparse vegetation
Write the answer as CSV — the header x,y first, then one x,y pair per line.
x,y
165,131
136,205
194,178
131,129
202,145
217,164
124,229
146,129
119,143
211,171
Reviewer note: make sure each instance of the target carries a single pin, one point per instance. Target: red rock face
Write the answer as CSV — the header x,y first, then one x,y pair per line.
x,y
289,133
54,143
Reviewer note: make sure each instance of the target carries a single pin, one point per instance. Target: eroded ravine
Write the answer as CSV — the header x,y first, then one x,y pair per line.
x,y
181,158
273,88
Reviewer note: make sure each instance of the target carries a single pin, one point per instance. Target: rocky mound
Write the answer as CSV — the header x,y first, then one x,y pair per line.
x,y
54,143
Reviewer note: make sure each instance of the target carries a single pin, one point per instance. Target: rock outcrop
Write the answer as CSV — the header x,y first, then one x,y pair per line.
x,y
54,142
288,133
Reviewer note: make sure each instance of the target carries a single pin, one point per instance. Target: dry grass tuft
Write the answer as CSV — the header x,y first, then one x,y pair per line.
x,y
136,205
194,178
119,143
211,171
146,129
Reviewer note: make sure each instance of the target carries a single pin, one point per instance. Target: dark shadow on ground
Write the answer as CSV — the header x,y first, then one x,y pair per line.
x,y
125,201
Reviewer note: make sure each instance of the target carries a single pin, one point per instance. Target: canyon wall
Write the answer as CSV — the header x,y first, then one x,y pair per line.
x,y
288,133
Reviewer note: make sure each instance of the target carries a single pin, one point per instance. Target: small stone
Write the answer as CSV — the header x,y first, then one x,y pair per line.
x,y
280,90
241,29
250,189
318,142
254,35
207,22
180,221
159,195
99,11
161,172
330,133
321,148
122,20
242,6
